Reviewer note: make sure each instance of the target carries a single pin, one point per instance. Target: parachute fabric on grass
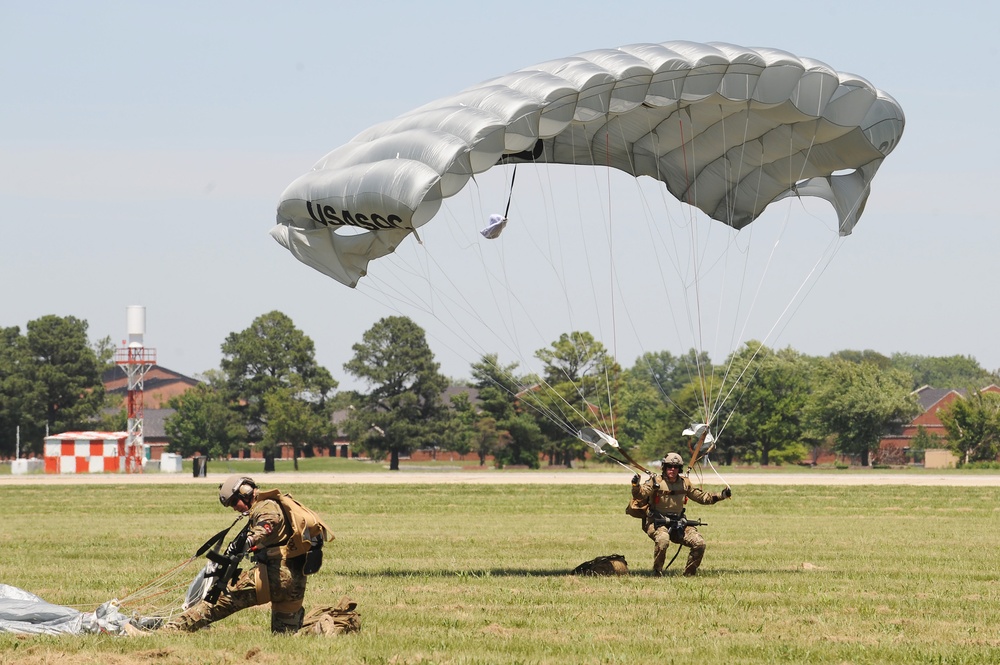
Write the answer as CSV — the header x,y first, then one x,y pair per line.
x,y
727,129
25,613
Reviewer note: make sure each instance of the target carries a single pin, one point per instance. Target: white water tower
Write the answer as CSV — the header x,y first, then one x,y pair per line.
x,y
135,360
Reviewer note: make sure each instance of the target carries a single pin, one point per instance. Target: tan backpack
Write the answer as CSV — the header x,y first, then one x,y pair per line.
x,y
332,619
612,564
308,529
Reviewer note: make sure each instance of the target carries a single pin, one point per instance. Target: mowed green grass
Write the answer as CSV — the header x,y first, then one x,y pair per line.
x,y
481,574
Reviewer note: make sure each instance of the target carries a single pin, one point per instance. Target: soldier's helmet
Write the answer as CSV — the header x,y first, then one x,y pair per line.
x,y
235,488
672,459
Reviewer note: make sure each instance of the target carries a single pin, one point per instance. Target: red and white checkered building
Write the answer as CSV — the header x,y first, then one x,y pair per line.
x,y
85,452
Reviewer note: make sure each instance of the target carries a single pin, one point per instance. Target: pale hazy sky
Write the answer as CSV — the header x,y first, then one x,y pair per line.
x,y
144,147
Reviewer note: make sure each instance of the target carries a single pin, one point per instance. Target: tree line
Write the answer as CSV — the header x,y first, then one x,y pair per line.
x,y
776,405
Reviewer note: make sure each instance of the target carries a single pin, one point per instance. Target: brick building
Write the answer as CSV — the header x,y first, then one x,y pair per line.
x,y
931,401
159,386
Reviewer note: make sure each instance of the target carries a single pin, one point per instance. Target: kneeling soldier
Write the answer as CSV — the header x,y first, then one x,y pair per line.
x,y
278,578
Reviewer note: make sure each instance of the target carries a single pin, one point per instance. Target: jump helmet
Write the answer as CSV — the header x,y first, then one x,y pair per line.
x,y
235,488
672,459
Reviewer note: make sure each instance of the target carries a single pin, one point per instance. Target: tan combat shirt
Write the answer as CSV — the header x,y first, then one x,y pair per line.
x,y
670,497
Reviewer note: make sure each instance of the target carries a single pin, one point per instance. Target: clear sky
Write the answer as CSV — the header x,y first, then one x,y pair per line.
x,y
144,146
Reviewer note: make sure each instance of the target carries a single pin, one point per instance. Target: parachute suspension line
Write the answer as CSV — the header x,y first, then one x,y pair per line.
x,y
657,242
561,417
794,299
141,600
391,297
821,264
668,307
690,187
156,582
714,470
613,276
563,422
563,413
714,405
723,392
734,340
567,412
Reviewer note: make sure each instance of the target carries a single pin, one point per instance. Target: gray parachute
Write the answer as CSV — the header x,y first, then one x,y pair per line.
x,y
727,129
24,612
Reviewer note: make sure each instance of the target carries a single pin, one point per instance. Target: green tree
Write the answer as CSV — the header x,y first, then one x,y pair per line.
x,y
15,390
866,356
488,440
860,403
524,444
270,355
944,371
402,410
770,399
687,406
499,388
458,432
204,422
668,373
579,378
973,426
51,378
291,419
923,441
641,411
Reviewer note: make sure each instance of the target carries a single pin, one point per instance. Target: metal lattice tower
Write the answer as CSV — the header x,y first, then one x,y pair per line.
x,y
135,360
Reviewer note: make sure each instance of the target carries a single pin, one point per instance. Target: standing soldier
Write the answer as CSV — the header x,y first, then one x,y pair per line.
x,y
665,522
281,551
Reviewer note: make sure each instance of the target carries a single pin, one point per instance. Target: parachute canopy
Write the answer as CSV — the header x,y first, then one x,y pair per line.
x,y
727,129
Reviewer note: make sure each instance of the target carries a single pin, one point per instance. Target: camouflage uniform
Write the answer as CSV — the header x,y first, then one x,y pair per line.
x,y
285,588
669,499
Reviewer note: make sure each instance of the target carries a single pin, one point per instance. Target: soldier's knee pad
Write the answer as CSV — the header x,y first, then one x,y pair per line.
x,y
287,622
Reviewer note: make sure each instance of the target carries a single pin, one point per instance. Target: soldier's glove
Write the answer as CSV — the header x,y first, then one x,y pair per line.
x,y
727,493
635,479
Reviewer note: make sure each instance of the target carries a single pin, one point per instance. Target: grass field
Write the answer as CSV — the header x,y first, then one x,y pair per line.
x,y
480,574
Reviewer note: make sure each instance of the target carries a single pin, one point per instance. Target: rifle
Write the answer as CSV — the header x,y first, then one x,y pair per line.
x,y
225,567
675,522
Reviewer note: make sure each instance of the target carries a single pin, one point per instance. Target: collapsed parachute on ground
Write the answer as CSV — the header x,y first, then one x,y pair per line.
x,y
25,613
727,129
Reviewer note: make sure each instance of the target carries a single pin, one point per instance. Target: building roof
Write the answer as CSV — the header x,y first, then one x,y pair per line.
x,y
454,391
928,397
154,422
155,373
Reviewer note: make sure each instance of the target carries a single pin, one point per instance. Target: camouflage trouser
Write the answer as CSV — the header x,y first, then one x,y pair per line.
x,y
661,543
287,587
